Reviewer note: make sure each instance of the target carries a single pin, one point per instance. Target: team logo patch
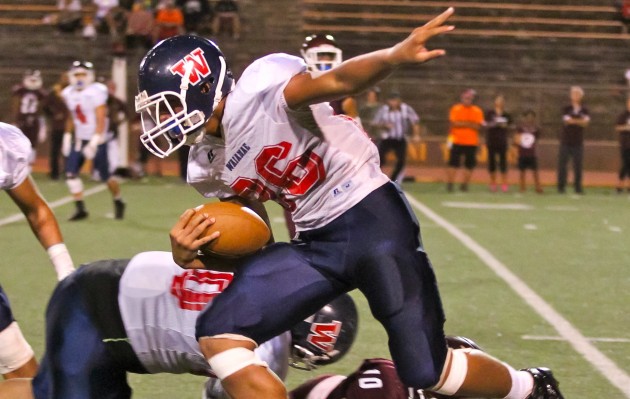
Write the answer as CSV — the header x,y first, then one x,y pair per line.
x,y
200,69
324,335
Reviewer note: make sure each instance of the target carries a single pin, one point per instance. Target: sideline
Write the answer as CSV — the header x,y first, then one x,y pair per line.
x,y
565,329
62,201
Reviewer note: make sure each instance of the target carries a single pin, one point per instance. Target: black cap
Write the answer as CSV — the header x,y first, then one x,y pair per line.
x,y
394,94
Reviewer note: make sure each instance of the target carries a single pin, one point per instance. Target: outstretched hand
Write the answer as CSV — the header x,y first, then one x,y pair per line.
x,y
412,50
186,241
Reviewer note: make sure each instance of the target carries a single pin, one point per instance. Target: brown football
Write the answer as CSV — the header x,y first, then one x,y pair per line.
x,y
242,231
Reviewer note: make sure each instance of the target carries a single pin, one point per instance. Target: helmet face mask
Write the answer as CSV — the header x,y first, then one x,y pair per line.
x,y
326,336
321,53
81,74
180,82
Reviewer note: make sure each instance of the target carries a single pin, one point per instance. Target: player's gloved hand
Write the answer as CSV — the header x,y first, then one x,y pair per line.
x,y
89,151
66,144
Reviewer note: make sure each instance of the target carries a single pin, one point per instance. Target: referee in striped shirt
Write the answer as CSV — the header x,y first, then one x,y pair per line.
x,y
396,121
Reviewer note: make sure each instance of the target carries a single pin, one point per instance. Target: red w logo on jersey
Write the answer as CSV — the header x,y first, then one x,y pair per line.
x,y
324,335
200,66
195,288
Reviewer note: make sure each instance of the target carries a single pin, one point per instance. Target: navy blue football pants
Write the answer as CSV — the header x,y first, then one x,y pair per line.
x,y
375,247
76,365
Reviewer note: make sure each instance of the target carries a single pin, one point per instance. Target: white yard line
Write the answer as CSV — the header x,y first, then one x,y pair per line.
x,y
65,200
567,331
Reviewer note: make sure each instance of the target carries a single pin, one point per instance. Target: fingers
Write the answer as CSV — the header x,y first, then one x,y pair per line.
x,y
440,19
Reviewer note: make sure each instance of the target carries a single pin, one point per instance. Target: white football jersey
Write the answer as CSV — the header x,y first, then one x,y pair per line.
x,y
314,163
15,150
82,105
159,304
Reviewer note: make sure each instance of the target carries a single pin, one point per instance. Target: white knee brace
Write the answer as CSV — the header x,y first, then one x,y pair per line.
x,y
14,350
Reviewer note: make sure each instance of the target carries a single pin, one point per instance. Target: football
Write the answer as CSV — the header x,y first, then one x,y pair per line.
x,y
242,231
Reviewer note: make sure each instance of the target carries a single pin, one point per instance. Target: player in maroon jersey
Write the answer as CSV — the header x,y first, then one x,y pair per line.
x,y
26,107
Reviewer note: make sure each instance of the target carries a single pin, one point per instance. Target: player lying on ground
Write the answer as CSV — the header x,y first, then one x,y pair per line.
x,y
134,315
273,136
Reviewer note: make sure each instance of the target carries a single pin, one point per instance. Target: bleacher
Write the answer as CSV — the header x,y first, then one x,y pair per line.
x,y
530,51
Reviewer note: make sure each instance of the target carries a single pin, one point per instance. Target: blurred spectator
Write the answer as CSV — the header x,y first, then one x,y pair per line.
x,y
367,112
103,8
169,21
624,13
226,12
116,20
622,127
27,109
498,125
526,138
57,112
576,118
397,121
140,25
69,19
195,13
466,119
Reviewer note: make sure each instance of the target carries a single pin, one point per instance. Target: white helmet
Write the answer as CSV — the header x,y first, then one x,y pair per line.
x,y
81,74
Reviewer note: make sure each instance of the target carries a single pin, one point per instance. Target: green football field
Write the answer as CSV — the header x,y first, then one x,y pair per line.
x,y
536,280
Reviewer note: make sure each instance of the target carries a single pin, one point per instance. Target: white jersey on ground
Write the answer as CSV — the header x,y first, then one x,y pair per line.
x,y
159,304
315,163
15,150
82,105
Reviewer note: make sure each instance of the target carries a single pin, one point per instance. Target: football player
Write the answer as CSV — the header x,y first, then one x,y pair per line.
x,y
27,99
273,136
16,356
136,315
374,379
87,102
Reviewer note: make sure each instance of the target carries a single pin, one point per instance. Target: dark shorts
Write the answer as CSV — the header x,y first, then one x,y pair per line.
x,y
468,152
375,247
527,163
76,160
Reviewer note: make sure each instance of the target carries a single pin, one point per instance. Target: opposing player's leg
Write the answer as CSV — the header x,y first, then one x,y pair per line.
x,y
74,162
268,295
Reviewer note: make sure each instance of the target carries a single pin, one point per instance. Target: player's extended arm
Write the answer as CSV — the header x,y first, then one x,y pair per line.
x,y
361,72
44,225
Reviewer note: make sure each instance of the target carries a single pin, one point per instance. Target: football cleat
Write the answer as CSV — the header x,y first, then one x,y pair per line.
x,y
119,209
78,215
545,385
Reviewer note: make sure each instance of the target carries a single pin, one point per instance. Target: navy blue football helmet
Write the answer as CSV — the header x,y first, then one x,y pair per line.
x,y
326,336
181,80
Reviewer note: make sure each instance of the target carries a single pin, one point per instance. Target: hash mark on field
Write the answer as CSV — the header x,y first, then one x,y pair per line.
x,y
552,338
62,201
482,205
574,337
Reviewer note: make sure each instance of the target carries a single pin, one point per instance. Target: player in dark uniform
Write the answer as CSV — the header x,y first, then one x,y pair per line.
x,y
498,124
623,128
57,112
27,98
374,379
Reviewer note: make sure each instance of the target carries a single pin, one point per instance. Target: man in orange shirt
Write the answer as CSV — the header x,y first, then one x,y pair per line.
x,y
169,21
465,121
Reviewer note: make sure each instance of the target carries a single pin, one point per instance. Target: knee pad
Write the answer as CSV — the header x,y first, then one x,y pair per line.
x,y
451,383
14,350
228,362
75,185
